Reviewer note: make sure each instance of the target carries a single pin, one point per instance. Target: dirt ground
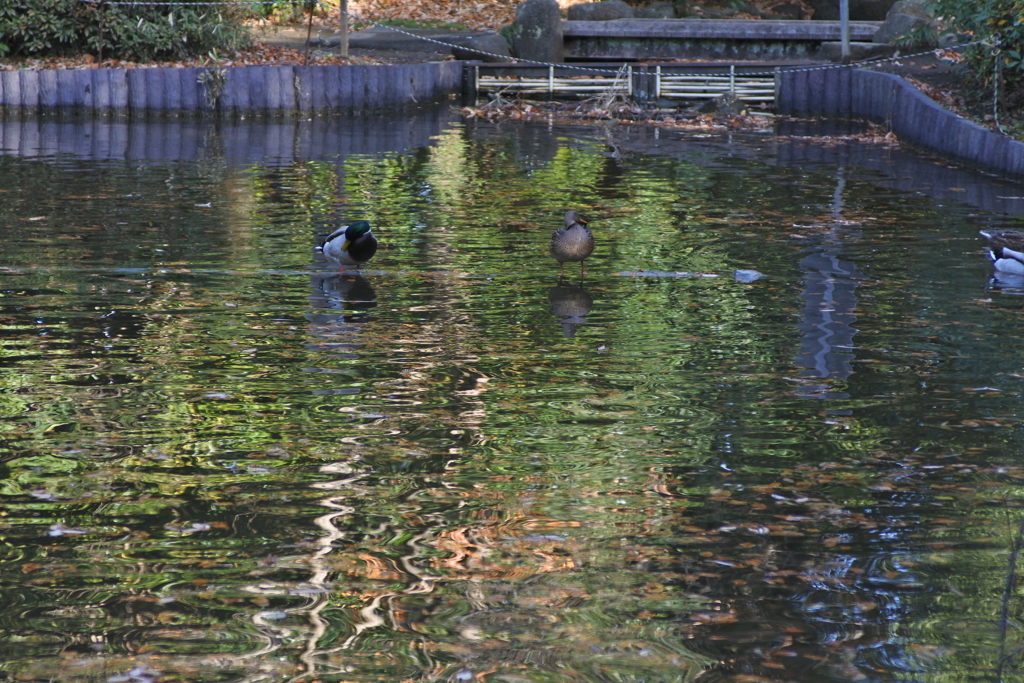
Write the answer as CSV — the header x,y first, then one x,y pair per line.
x,y
294,38
940,74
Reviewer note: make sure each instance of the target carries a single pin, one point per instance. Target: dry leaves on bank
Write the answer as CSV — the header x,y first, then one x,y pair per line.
x,y
494,14
947,98
259,54
590,111
473,15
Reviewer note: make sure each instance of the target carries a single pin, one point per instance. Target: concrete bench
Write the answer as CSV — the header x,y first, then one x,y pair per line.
x,y
705,38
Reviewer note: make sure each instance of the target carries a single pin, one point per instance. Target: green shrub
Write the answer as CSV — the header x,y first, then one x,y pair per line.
x,y
45,28
917,40
984,19
285,12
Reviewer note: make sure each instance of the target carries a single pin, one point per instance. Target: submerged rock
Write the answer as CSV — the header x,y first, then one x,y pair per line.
x,y
746,276
727,104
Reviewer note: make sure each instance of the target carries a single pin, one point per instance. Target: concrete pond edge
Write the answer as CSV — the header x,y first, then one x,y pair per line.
x,y
907,112
242,90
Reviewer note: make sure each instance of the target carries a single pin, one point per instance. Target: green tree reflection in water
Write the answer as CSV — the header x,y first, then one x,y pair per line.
x,y
223,460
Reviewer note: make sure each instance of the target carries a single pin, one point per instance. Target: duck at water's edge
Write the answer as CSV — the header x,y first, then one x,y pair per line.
x,y
1006,249
572,243
350,245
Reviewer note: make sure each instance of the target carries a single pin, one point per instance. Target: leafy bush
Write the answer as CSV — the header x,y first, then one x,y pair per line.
x,y
918,39
984,19
283,12
38,28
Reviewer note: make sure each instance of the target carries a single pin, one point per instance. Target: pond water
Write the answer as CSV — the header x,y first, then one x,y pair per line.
x,y
222,460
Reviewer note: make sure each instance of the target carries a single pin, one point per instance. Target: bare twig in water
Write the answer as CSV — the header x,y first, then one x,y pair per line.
x,y
612,98
497,100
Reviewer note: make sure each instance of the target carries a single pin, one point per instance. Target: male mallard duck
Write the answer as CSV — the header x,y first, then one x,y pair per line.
x,y
1006,249
350,245
572,243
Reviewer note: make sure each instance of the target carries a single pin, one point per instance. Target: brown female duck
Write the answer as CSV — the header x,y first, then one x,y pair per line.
x,y
572,243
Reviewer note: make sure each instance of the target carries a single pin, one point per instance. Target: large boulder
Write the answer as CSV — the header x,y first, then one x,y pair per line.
x,y
608,10
495,46
655,10
537,31
915,8
898,25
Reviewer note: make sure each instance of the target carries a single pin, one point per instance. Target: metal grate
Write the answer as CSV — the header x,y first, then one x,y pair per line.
x,y
550,85
706,86
675,83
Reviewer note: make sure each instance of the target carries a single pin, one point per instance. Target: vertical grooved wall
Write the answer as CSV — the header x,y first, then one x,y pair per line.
x,y
270,90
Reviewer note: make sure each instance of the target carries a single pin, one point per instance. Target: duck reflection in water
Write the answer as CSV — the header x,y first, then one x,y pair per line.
x,y
1007,283
569,304
341,305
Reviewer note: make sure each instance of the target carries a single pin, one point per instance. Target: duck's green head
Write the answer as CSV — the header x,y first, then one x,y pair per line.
x,y
357,230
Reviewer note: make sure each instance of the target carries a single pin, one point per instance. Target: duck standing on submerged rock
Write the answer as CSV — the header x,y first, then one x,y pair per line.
x,y
350,245
1006,249
572,243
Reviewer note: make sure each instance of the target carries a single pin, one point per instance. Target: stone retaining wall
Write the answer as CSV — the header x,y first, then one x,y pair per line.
x,y
726,39
270,90
905,110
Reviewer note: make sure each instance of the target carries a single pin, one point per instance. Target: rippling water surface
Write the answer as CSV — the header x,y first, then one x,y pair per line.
x,y
772,435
